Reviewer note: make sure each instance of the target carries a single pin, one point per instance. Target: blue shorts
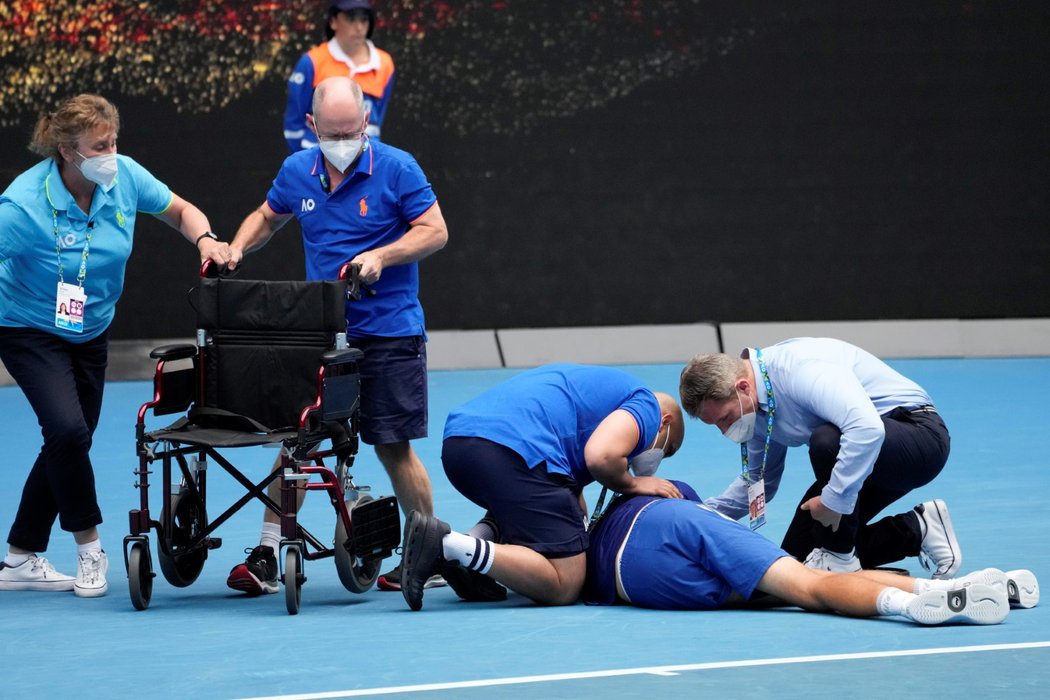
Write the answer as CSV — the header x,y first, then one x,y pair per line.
x,y
532,508
393,389
681,555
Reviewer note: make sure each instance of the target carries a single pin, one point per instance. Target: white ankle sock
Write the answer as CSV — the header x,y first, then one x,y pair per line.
x,y
271,536
471,552
93,546
893,601
13,559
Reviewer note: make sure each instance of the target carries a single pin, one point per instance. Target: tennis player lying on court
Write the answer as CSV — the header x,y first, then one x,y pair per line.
x,y
677,554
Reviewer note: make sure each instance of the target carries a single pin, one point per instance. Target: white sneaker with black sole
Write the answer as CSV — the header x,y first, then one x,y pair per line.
x,y
975,604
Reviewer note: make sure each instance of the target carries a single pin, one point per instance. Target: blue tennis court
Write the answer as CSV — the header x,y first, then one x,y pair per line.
x,y
206,641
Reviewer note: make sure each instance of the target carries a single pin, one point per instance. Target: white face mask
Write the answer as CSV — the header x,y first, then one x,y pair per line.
x,y
646,463
743,427
102,170
341,153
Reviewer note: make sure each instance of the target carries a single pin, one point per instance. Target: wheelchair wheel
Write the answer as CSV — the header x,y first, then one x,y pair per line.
x,y
181,567
355,575
293,579
140,578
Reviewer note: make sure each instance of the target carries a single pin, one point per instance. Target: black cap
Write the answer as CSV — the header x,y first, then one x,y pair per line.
x,y
337,6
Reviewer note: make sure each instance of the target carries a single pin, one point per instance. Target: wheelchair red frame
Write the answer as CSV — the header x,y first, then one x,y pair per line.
x,y
366,530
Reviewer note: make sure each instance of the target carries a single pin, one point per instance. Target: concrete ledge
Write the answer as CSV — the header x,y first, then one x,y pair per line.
x,y
128,359
463,350
606,345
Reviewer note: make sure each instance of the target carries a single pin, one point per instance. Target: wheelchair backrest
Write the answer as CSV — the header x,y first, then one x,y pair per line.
x,y
264,343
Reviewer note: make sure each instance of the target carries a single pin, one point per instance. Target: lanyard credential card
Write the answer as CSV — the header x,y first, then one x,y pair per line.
x,y
70,299
756,490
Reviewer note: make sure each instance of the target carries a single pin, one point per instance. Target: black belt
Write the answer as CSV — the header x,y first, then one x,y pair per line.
x,y
922,409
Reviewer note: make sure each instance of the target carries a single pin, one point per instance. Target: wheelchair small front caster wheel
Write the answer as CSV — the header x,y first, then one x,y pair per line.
x,y
140,575
293,579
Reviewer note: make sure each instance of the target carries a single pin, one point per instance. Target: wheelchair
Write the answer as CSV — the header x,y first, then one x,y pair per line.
x,y
270,366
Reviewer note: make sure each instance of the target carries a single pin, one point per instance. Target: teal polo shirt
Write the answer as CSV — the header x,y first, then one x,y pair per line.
x,y
33,208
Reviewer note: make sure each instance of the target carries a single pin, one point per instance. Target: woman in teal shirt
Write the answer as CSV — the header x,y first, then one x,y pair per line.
x,y
66,228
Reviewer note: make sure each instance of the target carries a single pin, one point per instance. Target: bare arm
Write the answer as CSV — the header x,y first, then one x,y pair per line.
x,y
255,231
192,224
606,456
427,234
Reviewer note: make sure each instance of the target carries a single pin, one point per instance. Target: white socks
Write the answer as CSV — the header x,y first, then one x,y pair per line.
x,y
471,552
893,601
271,536
94,546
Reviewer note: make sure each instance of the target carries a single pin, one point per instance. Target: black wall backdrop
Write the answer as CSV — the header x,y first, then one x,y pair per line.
x,y
608,162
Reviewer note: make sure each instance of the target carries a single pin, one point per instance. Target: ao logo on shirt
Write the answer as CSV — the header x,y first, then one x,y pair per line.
x,y
307,205
67,240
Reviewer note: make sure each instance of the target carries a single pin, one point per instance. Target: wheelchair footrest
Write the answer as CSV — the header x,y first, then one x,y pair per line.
x,y
375,528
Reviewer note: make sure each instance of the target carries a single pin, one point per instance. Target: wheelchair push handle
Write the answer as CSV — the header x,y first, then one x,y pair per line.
x,y
351,272
210,270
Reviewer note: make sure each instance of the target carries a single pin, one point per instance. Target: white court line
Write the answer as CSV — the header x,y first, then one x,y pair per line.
x,y
651,670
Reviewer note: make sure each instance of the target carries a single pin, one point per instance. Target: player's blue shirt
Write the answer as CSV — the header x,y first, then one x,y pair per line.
x,y
373,206
547,414
30,210
608,537
673,554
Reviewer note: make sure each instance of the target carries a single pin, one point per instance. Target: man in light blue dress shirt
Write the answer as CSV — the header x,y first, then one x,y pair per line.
x,y
873,437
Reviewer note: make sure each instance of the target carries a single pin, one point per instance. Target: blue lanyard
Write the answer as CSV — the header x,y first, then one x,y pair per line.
x,y
772,404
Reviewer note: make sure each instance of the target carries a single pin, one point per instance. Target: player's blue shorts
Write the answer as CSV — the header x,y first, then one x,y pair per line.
x,y
680,555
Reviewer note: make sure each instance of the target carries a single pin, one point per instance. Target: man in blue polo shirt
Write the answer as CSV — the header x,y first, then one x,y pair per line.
x,y
523,451
368,203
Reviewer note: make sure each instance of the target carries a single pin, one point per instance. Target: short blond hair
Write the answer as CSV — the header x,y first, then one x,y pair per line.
x,y
708,377
73,117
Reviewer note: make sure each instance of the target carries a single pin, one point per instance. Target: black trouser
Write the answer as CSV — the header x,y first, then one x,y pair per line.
x,y
63,382
913,453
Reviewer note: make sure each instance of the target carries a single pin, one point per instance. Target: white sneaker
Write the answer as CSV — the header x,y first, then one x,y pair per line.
x,y
975,604
939,548
34,574
824,560
1021,585
1022,588
91,575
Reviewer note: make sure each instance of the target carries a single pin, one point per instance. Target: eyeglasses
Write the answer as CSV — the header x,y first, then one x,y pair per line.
x,y
342,137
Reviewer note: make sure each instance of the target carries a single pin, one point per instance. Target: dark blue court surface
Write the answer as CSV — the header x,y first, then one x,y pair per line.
x,y
206,641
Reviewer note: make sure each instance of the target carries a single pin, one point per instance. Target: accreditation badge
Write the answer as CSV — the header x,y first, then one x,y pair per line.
x,y
69,307
756,503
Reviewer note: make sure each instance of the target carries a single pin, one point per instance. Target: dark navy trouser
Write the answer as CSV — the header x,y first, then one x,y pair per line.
x,y
63,382
914,452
